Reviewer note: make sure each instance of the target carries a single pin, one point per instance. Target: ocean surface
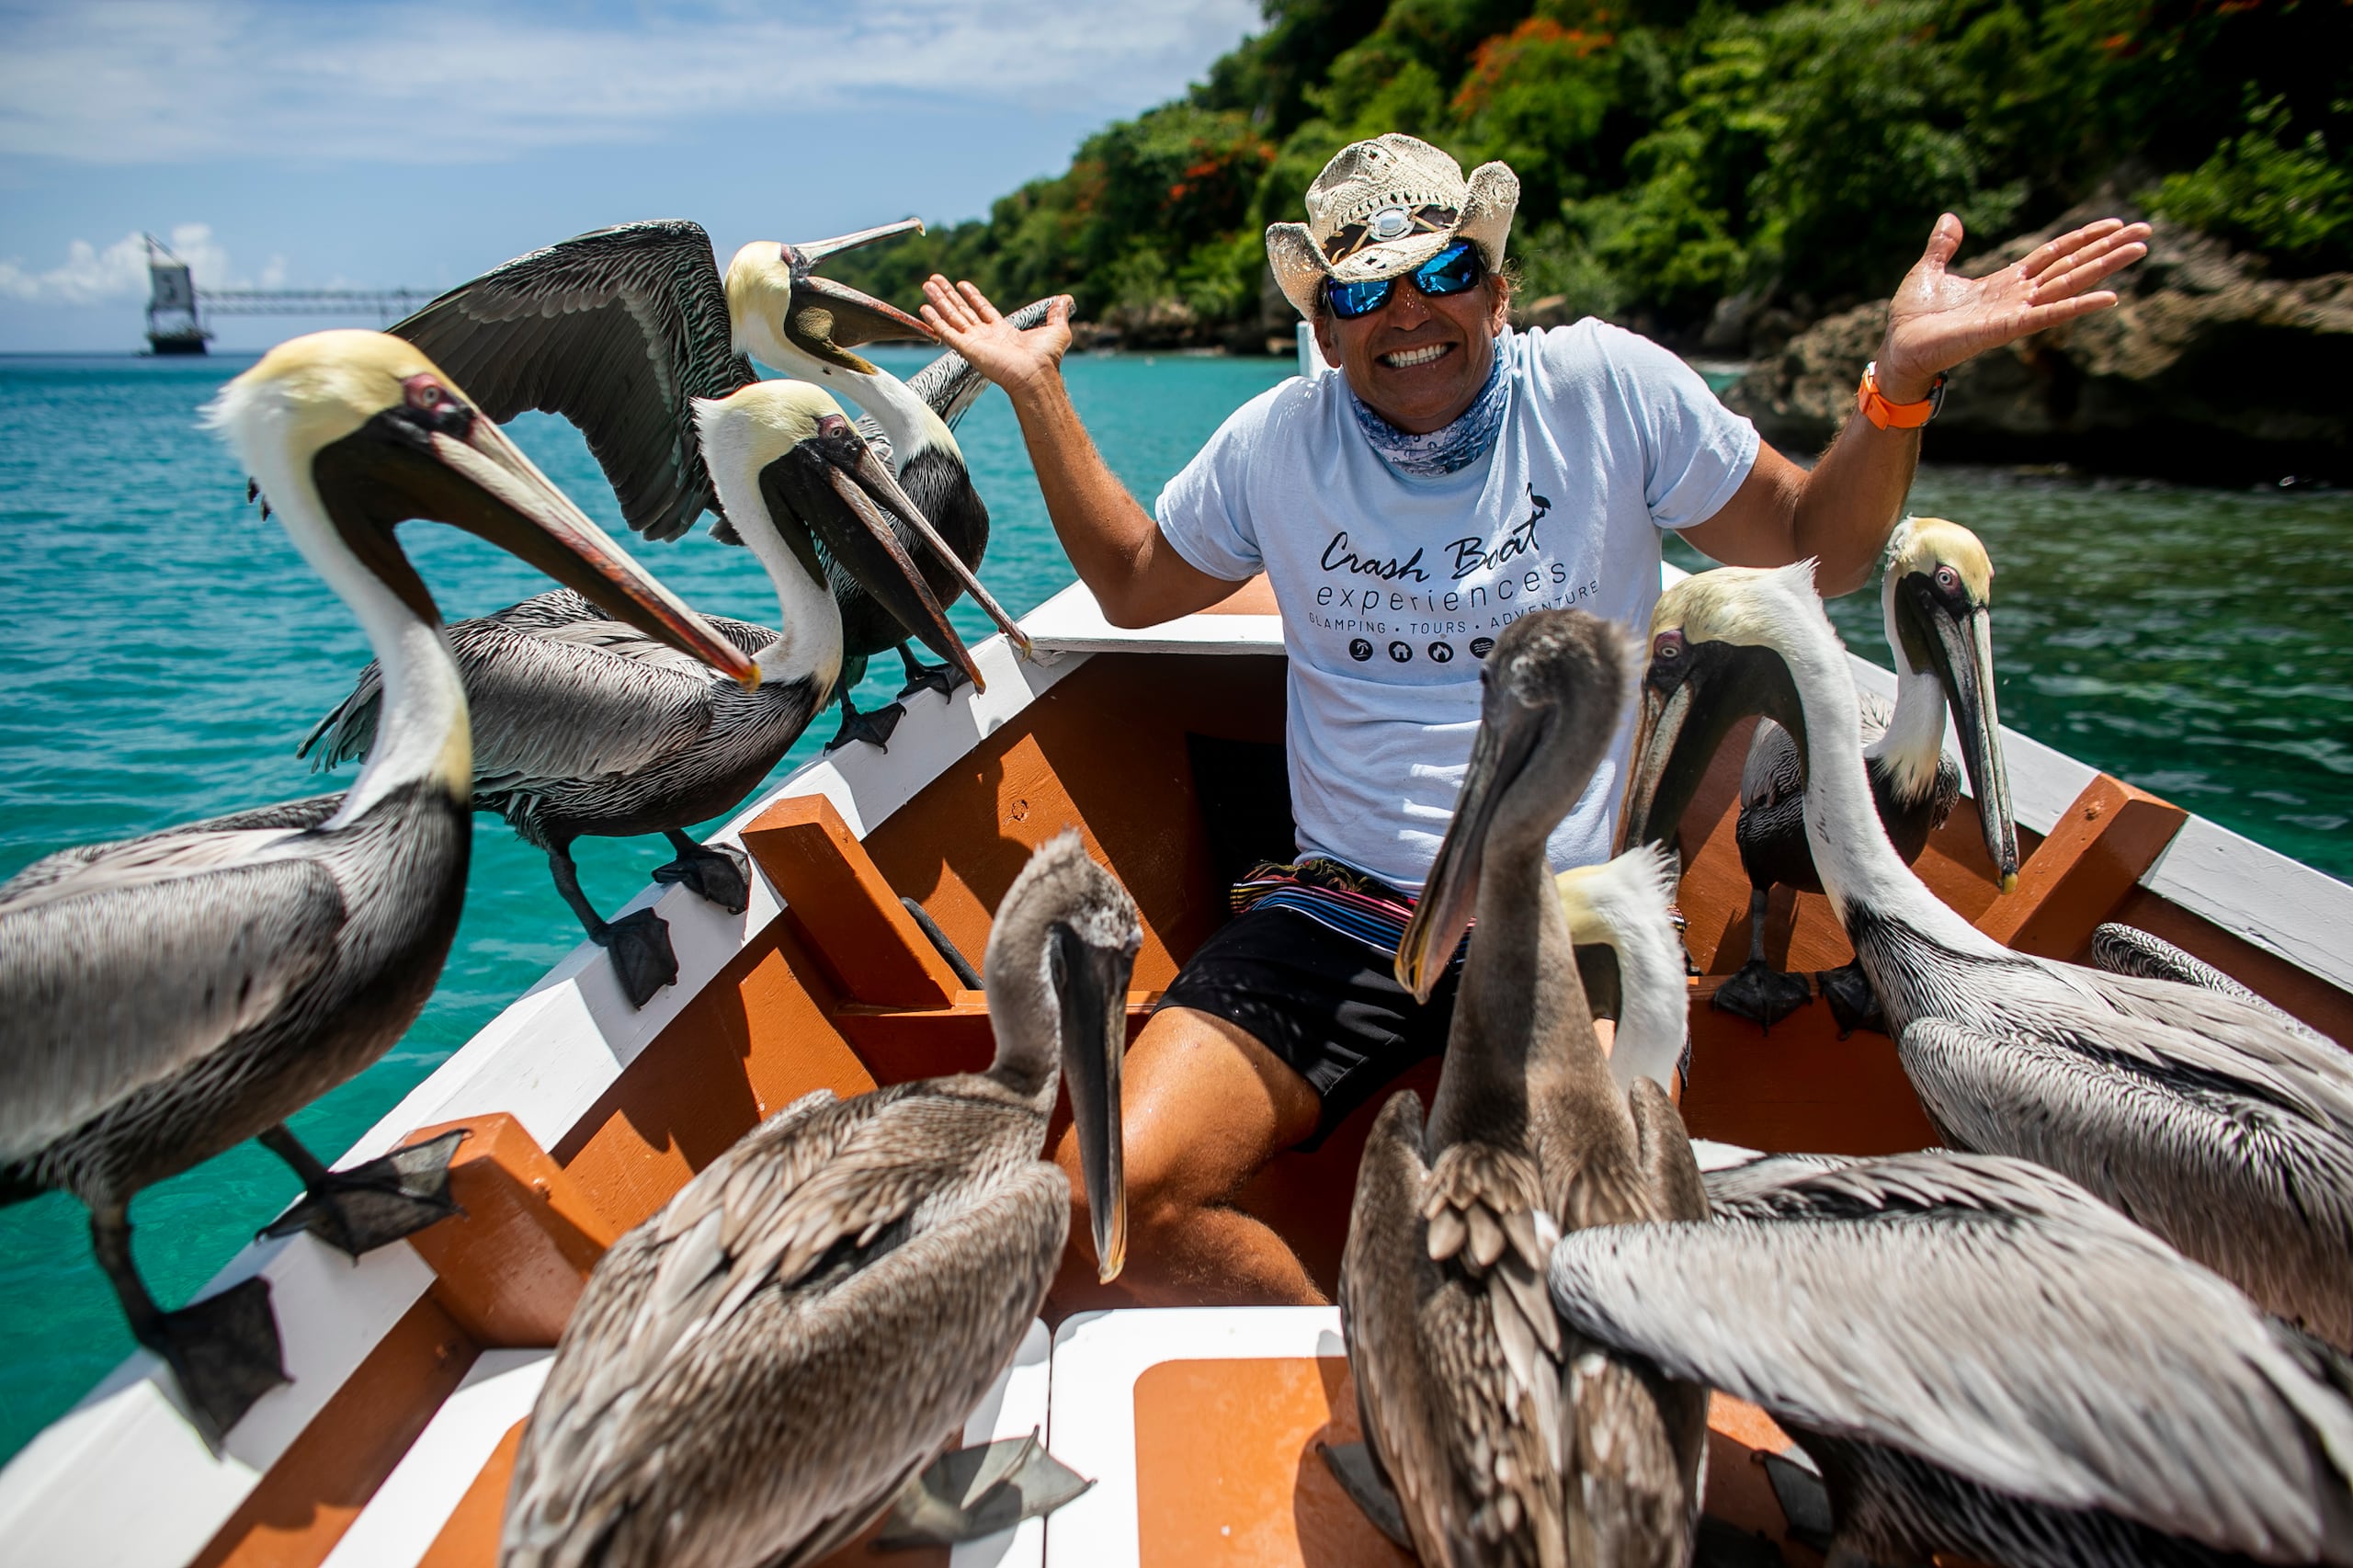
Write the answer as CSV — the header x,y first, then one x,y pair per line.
x,y
165,650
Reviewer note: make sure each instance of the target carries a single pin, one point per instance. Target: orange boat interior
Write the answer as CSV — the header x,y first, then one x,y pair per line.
x,y
1169,767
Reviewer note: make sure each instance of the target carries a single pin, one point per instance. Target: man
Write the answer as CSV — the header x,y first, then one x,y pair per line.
x,y
1453,475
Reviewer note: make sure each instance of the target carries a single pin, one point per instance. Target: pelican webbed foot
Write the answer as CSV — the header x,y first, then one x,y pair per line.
x,y
643,961
638,943
941,678
1852,1001
970,1493
1357,1469
1762,994
224,1349
875,726
718,873
370,1205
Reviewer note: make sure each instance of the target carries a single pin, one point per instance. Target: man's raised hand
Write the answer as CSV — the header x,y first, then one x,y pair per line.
x,y
967,322
1937,320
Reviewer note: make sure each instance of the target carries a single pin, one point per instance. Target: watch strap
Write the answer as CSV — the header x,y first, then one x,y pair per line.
x,y
1875,408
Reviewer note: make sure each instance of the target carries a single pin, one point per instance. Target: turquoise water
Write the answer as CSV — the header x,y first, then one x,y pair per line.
x,y
166,649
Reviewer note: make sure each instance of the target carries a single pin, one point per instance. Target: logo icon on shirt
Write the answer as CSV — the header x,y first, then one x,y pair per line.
x,y
1441,652
1402,652
1359,650
1482,646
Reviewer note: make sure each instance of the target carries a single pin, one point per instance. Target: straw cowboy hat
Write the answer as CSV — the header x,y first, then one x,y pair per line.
x,y
1383,207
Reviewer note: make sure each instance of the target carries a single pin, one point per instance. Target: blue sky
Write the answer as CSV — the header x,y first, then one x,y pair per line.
x,y
369,144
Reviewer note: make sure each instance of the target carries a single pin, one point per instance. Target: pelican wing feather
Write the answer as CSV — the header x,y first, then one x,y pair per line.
x,y
550,699
710,1319
1453,1341
616,330
121,967
2128,950
1990,1317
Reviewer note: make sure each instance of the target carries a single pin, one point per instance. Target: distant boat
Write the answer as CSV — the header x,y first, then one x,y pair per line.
x,y
172,326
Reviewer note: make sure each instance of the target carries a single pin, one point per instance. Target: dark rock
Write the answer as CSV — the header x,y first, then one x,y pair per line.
x,y
2207,371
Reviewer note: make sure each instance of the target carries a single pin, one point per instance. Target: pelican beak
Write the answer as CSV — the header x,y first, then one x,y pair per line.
x,y
826,319
836,487
1693,694
1509,735
1956,636
1092,983
873,472
462,469
810,255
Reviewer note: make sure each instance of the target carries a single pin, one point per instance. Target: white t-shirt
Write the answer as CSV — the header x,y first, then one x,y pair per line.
x,y
1393,586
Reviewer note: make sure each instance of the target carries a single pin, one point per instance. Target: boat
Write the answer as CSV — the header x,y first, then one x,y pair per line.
x,y
414,1367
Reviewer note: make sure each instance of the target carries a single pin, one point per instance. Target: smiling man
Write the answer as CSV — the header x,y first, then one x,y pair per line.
x,y
1453,476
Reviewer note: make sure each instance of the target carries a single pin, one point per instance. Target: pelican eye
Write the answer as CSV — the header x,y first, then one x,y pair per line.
x,y
1947,580
1667,645
431,404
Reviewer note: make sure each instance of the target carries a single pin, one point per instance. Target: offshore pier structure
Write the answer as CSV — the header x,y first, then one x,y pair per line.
x,y
176,308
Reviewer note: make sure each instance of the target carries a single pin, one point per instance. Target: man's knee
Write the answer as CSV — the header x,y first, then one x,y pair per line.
x,y
1204,1107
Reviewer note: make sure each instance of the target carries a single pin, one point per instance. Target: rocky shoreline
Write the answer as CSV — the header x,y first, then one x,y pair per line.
x,y
2207,371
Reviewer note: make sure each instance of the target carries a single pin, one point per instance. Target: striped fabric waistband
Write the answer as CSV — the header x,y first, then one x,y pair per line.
x,y
1361,908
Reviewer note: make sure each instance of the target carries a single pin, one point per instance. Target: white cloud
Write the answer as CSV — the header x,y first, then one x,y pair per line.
x,y
174,80
120,271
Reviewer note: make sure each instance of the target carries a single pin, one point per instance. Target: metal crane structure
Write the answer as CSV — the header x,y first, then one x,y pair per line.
x,y
176,308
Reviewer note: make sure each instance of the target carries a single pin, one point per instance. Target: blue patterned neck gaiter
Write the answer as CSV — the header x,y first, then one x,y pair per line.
x,y
1446,451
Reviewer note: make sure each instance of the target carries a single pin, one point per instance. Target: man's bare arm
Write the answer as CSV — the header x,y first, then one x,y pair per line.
x,y
1118,550
1842,512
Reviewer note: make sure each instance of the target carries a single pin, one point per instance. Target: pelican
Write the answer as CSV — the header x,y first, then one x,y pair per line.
x,y
1984,1361
2209,1121
170,995
1505,1440
619,330
1935,599
1630,959
914,424
754,1373
584,727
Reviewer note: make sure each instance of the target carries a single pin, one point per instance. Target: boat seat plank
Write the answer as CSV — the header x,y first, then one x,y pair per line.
x,y
418,1500
837,901
2093,859
303,1506
1203,1425
509,1268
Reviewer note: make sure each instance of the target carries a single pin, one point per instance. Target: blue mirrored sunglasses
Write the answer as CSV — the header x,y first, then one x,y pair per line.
x,y
1451,272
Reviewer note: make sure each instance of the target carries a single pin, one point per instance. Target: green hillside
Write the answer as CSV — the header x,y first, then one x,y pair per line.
x,y
1673,154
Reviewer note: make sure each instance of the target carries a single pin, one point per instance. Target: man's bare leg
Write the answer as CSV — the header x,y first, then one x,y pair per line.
x,y
1204,1106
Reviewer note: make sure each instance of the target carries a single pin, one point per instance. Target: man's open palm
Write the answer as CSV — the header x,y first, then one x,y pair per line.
x,y
1938,319
967,322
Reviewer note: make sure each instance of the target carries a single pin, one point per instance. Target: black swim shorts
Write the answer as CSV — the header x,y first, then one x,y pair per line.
x,y
1329,1005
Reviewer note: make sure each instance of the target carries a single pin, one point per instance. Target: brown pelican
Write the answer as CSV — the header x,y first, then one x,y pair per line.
x,y
1983,1360
170,995
2209,1122
1631,960
1506,1440
584,727
619,330
1935,599
754,1373
913,423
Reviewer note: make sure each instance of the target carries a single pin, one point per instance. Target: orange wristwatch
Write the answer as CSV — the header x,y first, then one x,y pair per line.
x,y
1897,416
